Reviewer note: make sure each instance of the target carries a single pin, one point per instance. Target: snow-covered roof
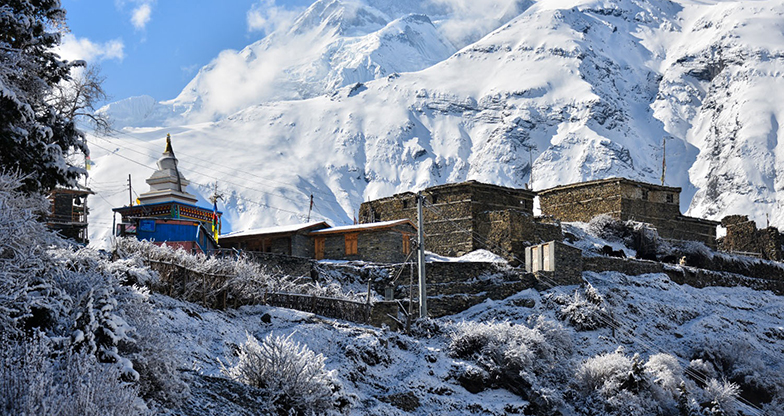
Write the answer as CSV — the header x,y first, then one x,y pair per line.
x,y
281,229
363,227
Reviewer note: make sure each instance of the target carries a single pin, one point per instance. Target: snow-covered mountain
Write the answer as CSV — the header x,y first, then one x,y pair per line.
x,y
360,99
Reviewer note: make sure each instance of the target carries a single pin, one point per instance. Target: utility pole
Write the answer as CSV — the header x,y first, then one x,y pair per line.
x,y
130,190
421,257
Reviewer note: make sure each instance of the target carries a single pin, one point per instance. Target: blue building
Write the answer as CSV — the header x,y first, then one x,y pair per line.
x,y
167,213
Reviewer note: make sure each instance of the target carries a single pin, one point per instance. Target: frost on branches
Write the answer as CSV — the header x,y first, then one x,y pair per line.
x,y
34,136
67,306
291,374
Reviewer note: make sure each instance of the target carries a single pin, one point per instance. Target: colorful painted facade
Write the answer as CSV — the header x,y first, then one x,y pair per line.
x,y
168,214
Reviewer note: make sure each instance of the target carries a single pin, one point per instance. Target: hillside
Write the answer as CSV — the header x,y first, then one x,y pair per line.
x,y
87,333
370,99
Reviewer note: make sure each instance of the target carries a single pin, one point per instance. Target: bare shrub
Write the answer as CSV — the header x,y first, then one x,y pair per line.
x,y
37,380
293,376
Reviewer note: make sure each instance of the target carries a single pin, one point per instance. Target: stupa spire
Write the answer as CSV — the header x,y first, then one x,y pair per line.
x,y
167,183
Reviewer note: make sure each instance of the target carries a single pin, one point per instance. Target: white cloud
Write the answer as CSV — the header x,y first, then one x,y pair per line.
x,y
141,15
470,20
266,17
73,48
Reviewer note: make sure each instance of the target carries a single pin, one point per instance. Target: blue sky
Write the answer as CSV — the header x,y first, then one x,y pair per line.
x,y
155,47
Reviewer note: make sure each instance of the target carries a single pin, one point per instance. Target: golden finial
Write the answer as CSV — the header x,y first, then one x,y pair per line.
x,y
168,144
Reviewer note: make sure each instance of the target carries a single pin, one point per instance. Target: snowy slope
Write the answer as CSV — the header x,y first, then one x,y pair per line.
x,y
376,102
740,326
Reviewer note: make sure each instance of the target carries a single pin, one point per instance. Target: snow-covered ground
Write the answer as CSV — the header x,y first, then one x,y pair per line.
x,y
362,99
740,326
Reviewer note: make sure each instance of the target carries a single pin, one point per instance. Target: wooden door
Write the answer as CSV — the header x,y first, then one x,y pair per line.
x,y
351,244
319,247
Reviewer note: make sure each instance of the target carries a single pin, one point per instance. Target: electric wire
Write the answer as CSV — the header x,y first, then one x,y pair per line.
x,y
262,204
212,164
607,320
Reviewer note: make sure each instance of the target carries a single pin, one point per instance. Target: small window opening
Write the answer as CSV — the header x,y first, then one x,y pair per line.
x,y
670,198
644,195
434,198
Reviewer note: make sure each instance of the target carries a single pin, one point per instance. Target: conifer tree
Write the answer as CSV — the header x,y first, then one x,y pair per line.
x,y
35,138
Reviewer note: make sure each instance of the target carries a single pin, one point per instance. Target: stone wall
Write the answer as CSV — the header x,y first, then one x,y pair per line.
x,y
582,203
744,237
629,267
509,232
302,246
624,200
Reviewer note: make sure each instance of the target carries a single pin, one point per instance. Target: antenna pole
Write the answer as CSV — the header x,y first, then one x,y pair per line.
x,y
421,259
130,190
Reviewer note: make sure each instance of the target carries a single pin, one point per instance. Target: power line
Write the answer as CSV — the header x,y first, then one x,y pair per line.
x,y
213,163
216,178
237,196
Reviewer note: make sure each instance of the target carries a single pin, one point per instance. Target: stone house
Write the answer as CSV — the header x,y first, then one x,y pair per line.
x,y
743,237
290,240
382,242
463,217
625,199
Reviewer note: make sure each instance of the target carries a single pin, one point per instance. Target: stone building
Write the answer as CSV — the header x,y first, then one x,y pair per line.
x,y
463,217
290,240
383,242
624,199
743,237
167,212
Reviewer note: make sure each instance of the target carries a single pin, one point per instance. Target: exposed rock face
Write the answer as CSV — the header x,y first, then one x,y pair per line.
x,y
384,99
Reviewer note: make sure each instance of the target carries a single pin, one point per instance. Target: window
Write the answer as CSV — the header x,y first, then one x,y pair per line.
x,y
351,244
406,243
434,198
645,194
670,198
405,203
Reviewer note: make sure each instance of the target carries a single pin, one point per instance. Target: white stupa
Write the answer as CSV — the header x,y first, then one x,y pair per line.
x,y
167,183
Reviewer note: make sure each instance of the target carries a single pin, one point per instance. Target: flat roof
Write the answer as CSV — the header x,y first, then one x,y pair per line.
x,y
363,227
609,180
457,185
281,229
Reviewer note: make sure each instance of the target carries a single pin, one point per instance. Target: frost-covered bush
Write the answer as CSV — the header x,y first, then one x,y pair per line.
x,y
624,385
37,379
741,363
608,228
584,311
291,374
73,297
152,353
721,398
206,279
516,357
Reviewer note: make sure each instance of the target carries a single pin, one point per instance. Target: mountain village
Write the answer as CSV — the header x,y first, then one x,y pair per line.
x,y
409,207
